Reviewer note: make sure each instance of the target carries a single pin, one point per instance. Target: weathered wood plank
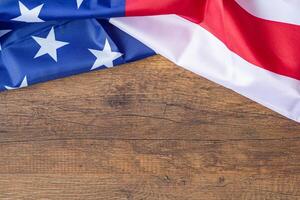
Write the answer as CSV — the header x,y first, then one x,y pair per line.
x,y
151,99
154,157
143,169
130,187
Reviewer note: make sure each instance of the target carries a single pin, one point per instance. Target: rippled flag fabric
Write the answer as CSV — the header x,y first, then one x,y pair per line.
x,y
47,39
250,47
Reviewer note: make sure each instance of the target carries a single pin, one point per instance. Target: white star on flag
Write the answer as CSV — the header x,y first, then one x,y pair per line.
x,y
3,32
29,15
49,45
23,84
79,2
105,57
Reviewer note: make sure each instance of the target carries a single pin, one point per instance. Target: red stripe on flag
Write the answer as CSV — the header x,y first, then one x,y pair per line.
x,y
191,9
270,45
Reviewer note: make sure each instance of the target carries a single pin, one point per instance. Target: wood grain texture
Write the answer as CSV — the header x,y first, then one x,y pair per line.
x,y
146,130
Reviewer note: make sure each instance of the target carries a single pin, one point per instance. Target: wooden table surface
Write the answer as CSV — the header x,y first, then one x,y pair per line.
x,y
143,131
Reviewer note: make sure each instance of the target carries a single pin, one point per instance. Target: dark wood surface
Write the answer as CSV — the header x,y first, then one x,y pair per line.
x,y
143,131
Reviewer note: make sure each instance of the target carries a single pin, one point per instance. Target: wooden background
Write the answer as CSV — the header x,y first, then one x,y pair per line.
x,y
147,130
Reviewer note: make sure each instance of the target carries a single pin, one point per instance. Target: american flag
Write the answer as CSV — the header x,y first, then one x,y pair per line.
x,y
249,46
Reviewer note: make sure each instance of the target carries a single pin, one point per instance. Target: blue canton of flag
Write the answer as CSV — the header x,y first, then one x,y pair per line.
x,y
47,39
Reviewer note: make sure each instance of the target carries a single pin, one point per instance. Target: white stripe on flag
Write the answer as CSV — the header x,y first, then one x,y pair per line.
x,y
287,11
194,48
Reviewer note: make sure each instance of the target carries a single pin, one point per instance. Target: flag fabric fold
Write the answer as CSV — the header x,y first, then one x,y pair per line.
x,y
250,47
